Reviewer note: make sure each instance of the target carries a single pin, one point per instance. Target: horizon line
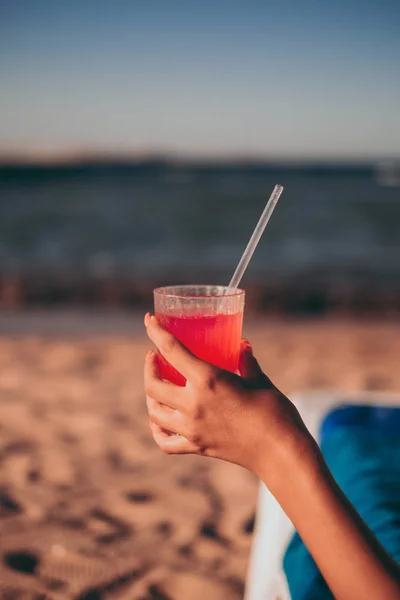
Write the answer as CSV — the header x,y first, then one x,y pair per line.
x,y
79,156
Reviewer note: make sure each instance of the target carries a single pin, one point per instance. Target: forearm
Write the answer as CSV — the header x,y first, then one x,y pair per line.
x,y
348,555
245,420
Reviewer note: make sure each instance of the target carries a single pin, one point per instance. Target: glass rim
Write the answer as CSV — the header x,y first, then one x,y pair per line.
x,y
167,291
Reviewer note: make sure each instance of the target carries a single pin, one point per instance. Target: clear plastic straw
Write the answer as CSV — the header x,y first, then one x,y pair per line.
x,y
255,238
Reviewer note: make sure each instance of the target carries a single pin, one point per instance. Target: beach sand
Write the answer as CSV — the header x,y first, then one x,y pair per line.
x,y
90,508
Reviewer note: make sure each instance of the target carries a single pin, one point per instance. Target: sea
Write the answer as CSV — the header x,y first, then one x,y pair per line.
x,y
164,221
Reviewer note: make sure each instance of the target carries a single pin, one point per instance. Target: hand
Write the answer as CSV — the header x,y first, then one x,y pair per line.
x,y
244,420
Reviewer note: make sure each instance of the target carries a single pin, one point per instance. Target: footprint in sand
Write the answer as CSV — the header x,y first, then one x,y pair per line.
x,y
23,561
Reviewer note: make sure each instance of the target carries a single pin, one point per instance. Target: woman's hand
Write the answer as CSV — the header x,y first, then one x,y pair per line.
x,y
244,420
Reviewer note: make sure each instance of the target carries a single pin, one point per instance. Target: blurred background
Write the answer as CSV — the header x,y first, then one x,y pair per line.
x,y
139,142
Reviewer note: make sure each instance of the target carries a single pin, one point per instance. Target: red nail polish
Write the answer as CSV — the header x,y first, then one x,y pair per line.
x,y
247,346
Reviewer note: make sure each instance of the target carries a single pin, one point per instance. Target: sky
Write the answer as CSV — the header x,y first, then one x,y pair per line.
x,y
258,78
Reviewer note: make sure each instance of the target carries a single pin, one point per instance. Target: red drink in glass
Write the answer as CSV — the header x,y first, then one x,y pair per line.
x,y
206,319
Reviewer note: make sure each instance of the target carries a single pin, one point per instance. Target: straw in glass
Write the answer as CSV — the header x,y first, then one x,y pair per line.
x,y
255,238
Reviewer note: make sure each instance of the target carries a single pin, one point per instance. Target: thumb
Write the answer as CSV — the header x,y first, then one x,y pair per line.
x,y
248,366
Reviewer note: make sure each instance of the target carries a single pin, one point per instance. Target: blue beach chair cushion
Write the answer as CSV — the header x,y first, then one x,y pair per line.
x,y
361,445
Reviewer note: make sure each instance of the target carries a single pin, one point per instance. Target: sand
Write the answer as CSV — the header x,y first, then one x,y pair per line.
x,y
90,508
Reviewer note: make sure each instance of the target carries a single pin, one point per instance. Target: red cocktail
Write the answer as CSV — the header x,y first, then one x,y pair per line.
x,y
206,319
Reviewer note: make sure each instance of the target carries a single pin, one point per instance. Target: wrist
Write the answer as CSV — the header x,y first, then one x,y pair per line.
x,y
295,456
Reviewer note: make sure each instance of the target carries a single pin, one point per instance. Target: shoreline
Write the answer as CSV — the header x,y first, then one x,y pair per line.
x,y
101,322
308,295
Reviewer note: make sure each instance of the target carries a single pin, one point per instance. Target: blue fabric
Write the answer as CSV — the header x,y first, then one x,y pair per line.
x,y
361,445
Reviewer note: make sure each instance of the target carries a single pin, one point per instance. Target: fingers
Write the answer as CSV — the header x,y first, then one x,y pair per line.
x,y
164,417
176,353
248,365
172,444
249,368
163,391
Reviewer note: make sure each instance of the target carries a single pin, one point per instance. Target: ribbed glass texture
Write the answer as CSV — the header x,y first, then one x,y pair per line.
x,y
206,319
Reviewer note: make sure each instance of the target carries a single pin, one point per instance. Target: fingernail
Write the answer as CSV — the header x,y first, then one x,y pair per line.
x,y
247,346
149,354
146,319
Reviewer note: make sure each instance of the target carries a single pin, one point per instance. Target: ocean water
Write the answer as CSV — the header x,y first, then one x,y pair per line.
x,y
159,221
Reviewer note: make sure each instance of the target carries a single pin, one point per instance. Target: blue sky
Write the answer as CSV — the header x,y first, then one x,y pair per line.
x,y
266,78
